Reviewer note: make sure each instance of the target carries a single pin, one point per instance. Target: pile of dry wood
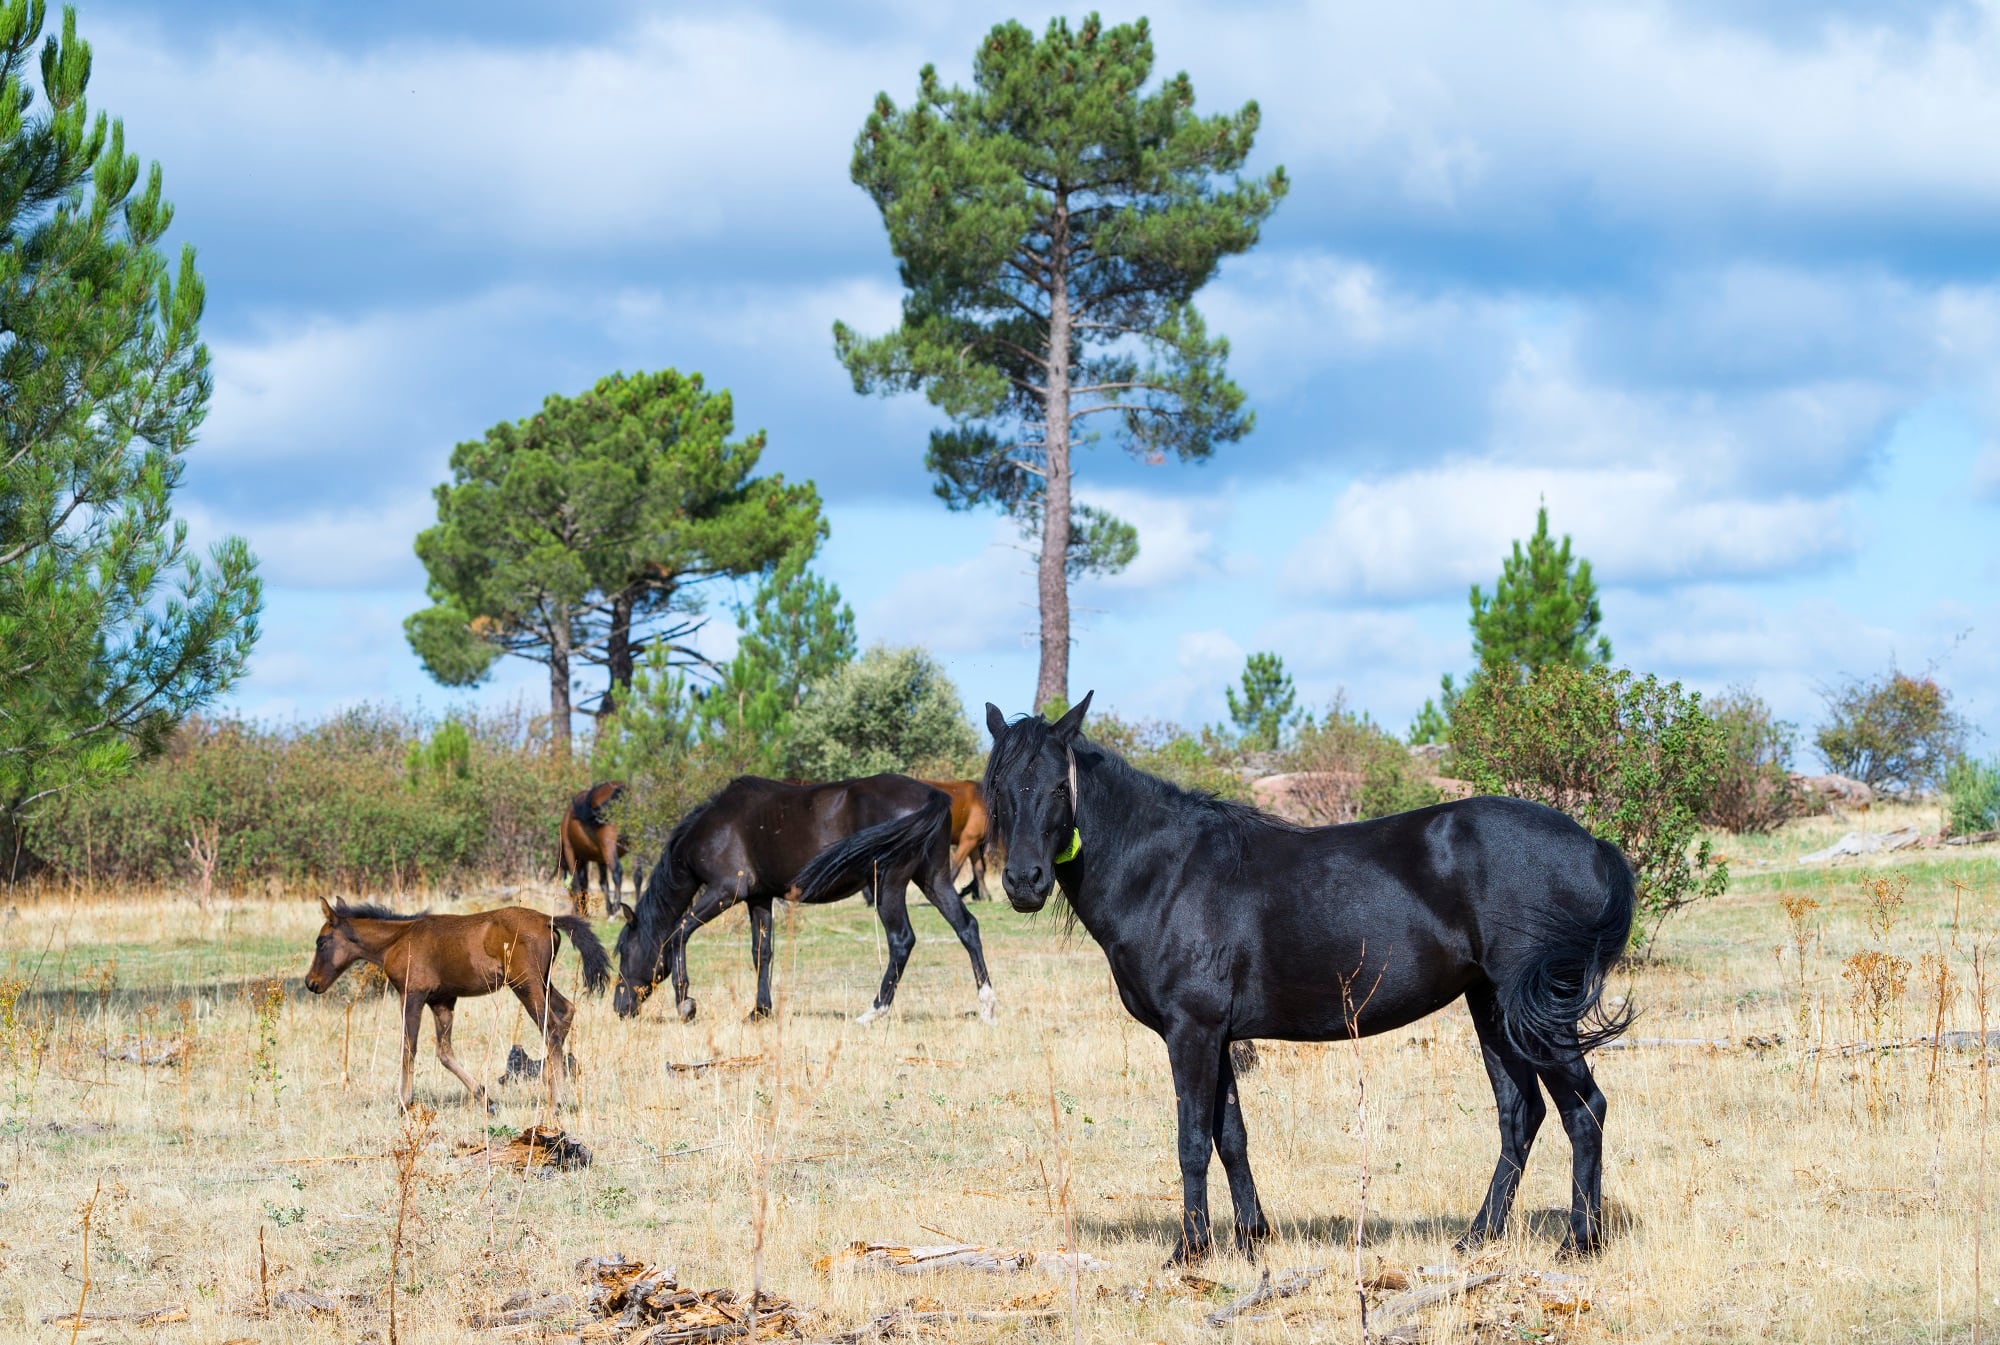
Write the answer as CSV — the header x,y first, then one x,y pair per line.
x,y
633,1297
536,1148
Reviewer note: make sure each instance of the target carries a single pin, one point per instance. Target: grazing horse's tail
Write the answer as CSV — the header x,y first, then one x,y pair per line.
x,y
596,962
1551,1007
845,867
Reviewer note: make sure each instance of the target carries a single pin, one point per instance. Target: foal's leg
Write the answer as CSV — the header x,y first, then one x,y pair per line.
x,y
1521,1111
1194,1051
441,1015
891,907
1581,1105
937,887
413,1023
760,955
1232,1145
551,1014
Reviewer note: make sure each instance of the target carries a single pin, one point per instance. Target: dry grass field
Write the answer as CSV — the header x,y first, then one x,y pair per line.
x,y
1761,1190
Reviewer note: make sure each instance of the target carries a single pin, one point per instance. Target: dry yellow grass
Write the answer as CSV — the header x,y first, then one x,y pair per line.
x,y
1756,1194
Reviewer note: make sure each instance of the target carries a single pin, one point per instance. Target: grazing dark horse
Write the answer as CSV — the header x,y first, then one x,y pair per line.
x,y
437,960
1222,923
758,840
588,836
969,824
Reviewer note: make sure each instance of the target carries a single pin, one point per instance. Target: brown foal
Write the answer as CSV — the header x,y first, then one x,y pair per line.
x,y
969,825
436,960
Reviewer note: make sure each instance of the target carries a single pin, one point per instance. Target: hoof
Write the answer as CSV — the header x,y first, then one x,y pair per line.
x,y
686,1009
1469,1242
871,1013
1250,1238
987,1001
759,1014
1186,1254
1573,1250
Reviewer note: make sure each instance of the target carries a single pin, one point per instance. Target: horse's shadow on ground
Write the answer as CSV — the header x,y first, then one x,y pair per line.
x,y
1541,1225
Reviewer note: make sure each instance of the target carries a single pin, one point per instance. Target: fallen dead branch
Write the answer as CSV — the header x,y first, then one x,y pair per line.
x,y
529,1305
1419,1299
147,1051
953,1256
1291,1283
537,1147
898,1320
697,1067
632,1296
173,1312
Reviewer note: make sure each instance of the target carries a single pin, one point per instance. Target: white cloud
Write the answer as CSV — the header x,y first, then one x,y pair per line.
x,y
350,549
1176,536
978,605
1432,533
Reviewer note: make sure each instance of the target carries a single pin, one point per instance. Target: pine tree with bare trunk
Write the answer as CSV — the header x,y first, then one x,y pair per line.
x,y
1053,224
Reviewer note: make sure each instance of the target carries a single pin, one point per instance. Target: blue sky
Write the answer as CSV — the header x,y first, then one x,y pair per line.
x,y
1717,281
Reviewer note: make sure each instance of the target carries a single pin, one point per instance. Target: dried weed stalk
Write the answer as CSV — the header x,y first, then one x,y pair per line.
x,y
419,1126
88,1208
1798,913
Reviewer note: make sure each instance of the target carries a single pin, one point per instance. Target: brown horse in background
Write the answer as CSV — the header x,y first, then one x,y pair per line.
x,y
969,827
588,836
436,960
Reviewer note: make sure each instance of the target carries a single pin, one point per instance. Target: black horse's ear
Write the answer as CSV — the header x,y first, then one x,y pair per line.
x,y
1065,729
995,721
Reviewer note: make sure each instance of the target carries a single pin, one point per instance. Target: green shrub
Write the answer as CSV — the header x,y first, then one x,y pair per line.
x,y
889,710
1753,786
1355,769
335,802
1895,733
1972,796
1632,760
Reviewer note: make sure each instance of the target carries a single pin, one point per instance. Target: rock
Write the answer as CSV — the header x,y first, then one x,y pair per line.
x,y
1836,789
1857,843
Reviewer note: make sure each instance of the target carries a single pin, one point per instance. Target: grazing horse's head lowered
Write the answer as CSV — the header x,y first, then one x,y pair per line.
x,y
1031,793
639,960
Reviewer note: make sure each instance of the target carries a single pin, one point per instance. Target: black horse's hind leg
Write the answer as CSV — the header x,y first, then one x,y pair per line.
x,y
937,886
760,954
1232,1145
891,907
1194,1052
1521,1109
1581,1105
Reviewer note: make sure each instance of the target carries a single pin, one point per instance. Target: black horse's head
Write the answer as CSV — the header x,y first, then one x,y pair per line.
x,y
638,968
1031,793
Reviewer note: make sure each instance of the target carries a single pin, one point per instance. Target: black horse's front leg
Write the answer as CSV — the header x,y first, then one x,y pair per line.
x,y
760,955
1195,1053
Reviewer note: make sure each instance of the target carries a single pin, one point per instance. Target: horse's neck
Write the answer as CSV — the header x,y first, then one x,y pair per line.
x,y
376,937
1109,791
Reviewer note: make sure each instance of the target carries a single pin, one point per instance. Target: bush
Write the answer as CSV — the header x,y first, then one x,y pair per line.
x,y
1896,733
889,710
1632,760
1972,797
1354,769
366,799
1753,787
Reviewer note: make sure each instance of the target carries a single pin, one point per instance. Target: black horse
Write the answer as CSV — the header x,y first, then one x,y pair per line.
x,y
1222,923
757,840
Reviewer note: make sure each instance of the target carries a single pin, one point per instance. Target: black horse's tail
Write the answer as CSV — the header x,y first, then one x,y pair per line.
x,y
845,867
1551,1007
596,962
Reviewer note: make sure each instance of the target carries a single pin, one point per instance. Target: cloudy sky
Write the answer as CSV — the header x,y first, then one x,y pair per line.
x,y
1717,281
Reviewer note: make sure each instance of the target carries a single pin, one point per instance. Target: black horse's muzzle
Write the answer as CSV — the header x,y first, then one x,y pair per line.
x,y
625,1000
1028,888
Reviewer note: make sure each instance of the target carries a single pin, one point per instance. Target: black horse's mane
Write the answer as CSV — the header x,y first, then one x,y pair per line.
x,y
371,910
1027,735
648,922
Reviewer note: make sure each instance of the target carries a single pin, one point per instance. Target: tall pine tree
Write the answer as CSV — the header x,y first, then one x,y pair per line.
x,y
111,630
1264,711
578,535
1053,223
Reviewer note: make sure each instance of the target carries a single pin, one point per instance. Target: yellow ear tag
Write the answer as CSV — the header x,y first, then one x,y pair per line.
x,y
1073,849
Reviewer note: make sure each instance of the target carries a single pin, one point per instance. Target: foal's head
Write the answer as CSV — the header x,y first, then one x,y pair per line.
x,y
1031,795
334,951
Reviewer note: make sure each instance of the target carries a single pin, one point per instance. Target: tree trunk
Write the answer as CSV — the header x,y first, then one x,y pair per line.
x,y
559,684
1052,574
617,655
